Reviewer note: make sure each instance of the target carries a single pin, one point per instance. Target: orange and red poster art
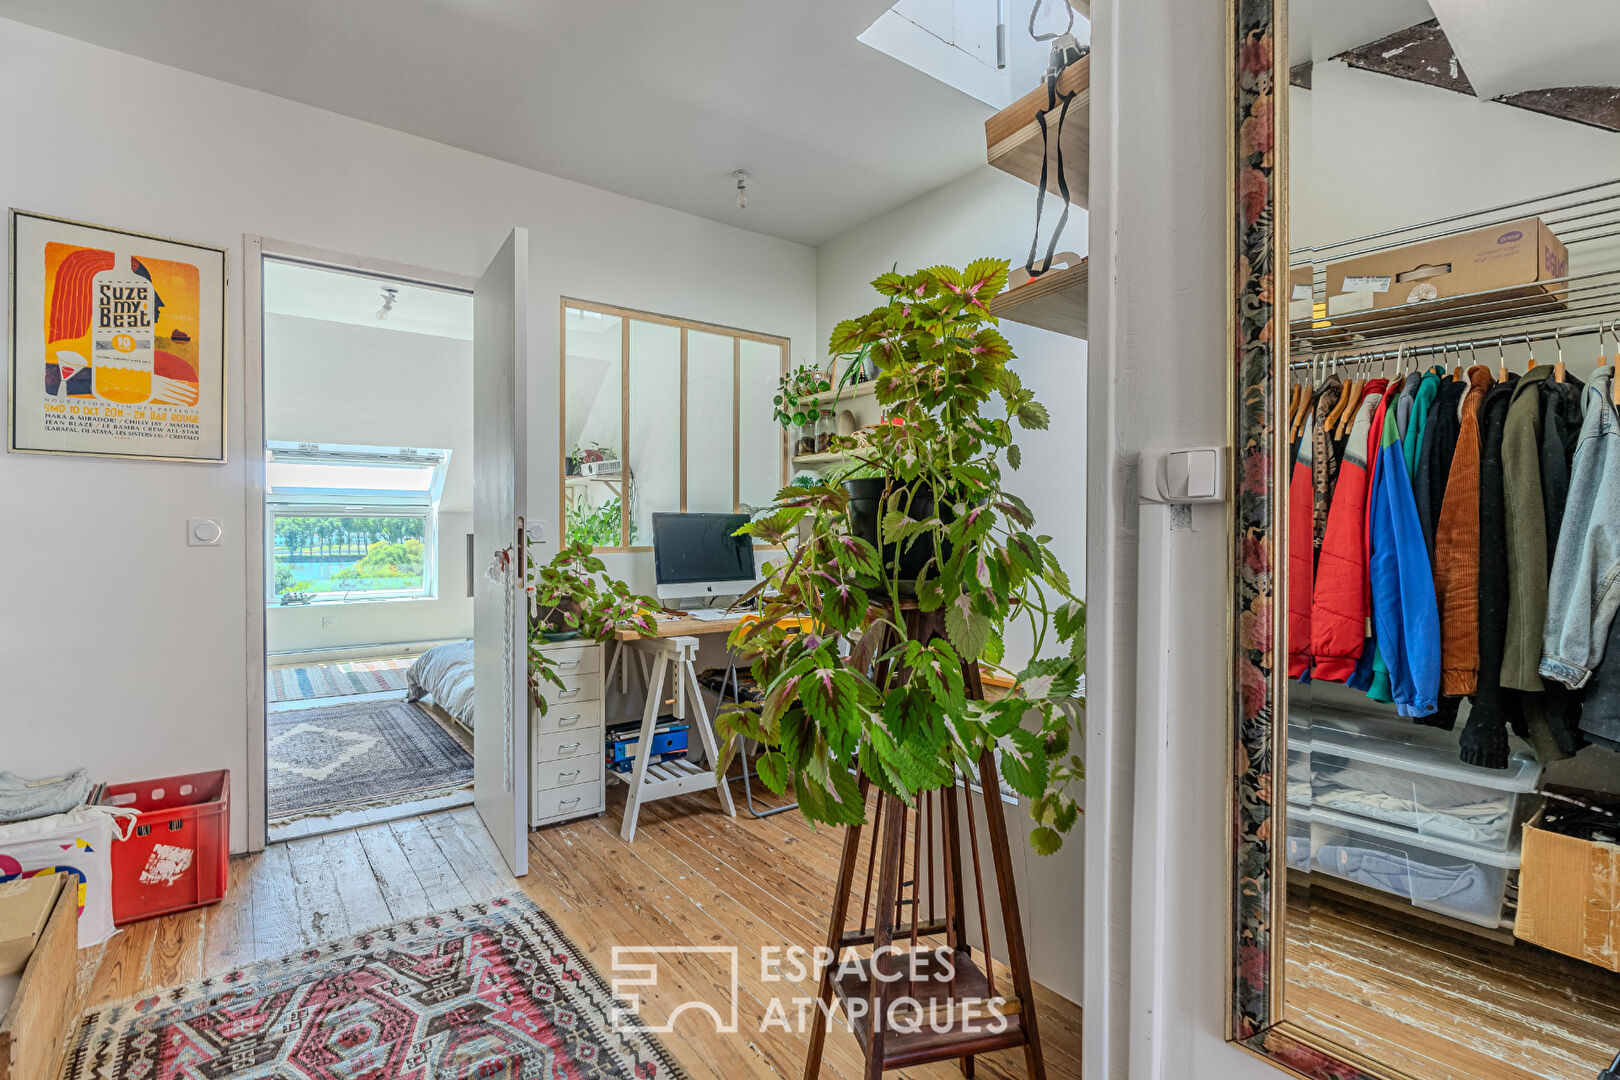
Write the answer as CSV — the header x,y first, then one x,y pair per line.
x,y
117,343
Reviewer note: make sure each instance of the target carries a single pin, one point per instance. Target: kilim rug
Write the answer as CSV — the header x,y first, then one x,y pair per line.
x,y
490,990
363,753
307,681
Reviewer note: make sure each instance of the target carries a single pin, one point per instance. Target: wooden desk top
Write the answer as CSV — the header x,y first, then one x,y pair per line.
x,y
687,627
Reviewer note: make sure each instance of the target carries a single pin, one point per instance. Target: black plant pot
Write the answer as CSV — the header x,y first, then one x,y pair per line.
x,y
866,506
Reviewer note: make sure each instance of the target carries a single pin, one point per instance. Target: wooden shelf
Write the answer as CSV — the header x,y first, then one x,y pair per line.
x,y
848,393
820,459
1054,301
1012,138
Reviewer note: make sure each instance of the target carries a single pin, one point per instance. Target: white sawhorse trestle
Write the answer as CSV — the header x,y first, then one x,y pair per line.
x,y
672,659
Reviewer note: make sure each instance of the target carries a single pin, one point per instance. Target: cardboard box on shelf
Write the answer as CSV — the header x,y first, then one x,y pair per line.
x,y
25,904
1521,263
1569,896
1301,283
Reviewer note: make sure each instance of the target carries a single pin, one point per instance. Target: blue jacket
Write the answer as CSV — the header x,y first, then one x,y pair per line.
x,y
1406,615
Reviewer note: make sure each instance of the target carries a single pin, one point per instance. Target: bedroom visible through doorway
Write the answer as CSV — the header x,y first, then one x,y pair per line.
x,y
368,466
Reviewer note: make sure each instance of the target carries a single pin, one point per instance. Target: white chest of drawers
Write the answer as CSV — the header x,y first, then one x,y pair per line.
x,y
566,743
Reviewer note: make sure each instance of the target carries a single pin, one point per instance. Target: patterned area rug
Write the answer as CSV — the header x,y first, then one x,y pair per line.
x,y
366,753
335,680
490,990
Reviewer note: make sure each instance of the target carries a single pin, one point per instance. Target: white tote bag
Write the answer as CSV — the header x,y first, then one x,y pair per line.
x,y
79,842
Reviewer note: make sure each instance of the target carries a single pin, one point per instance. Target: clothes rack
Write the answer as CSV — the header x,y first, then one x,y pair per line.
x,y
1336,358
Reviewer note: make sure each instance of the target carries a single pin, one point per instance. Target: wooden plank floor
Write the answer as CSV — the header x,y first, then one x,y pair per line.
x,y
693,877
1441,1003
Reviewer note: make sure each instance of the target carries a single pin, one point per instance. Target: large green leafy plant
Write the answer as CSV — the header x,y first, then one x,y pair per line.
x,y
574,593
860,689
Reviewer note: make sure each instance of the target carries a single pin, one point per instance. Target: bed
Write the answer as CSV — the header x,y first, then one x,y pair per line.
x,y
446,673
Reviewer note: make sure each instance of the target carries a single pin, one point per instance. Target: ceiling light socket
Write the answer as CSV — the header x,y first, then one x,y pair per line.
x,y
742,176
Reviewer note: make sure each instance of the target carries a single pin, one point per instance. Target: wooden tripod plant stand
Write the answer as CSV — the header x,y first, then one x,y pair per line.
x,y
919,1010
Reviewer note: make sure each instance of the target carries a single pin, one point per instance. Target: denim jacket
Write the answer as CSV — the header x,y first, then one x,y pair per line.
x,y
1582,597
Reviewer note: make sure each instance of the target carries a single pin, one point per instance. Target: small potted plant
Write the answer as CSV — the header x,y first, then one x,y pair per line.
x,y
908,595
572,596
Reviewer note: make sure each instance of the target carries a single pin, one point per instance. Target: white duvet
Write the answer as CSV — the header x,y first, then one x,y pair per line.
x,y
446,672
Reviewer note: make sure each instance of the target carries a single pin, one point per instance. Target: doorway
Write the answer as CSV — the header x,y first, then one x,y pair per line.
x,y
365,511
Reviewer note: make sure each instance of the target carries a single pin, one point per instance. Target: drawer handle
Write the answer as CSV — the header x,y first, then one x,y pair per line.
x,y
564,775
567,663
571,693
568,802
566,720
568,746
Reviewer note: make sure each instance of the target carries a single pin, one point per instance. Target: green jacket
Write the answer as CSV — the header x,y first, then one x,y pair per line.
x,y
1526,534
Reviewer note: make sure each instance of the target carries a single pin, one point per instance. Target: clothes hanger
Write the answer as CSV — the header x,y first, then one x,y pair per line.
x,y
1501,363
1614,384
1363,377
1332,419
1531,366
1457,372
1558,365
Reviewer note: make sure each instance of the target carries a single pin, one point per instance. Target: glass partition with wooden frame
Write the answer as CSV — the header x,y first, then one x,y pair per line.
x,y
1425,792
663,414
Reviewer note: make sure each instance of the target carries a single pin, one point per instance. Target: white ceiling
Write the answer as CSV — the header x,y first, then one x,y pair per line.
x,y
1504,46
657,99
312,292
1507,46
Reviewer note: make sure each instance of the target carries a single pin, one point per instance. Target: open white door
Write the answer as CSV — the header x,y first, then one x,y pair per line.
x,y
500,607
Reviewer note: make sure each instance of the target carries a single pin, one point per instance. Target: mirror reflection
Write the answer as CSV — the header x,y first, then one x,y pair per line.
x,y
1452,819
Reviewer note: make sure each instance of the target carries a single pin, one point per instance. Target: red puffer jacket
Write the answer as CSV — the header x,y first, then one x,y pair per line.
x,y
1340,602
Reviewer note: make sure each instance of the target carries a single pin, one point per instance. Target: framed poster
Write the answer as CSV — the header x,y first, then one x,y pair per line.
x,y
117,343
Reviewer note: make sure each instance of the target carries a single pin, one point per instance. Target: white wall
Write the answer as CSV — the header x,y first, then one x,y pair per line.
x,y
984,213
1156,973
124,649
336,382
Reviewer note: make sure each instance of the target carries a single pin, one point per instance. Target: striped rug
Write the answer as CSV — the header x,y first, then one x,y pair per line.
x,y
303,682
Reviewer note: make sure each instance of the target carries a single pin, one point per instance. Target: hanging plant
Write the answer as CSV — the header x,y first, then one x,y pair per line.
x,y
795,396
930,525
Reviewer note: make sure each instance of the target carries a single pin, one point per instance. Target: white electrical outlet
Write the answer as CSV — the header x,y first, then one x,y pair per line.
x,y
328,621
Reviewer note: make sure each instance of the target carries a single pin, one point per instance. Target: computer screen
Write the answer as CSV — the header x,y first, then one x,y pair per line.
x,y
690,548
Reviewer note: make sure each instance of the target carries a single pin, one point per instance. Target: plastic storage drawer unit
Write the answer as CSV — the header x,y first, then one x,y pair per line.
x,y
1420,787
1468,883
1299,764
1298,833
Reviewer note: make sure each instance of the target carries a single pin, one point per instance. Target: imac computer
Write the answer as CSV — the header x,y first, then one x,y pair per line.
x,y
695,556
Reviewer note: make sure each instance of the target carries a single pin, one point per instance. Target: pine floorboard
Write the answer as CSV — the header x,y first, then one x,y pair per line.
x,y
692,877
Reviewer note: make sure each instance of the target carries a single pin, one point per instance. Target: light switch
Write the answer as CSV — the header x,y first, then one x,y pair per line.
x,y
204,532
1194,475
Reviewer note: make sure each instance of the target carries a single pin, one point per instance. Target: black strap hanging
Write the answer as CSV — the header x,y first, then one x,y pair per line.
x,y
1052,101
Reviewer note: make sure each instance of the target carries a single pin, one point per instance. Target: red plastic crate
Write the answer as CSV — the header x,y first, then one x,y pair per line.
x,y
178,849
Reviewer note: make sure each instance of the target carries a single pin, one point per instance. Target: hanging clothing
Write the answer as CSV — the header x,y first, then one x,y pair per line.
x,y
1456,545
1324,463
1582,597
1526,534
1404,611
1600,710
1417,426
1340,604
1301,555
1372,674
1484,737
1442,428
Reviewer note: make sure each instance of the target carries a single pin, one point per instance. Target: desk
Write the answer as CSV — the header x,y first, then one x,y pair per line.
x,y
672,655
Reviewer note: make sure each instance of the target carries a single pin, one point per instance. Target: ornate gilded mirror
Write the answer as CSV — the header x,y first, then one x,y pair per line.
x,y
1425,693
